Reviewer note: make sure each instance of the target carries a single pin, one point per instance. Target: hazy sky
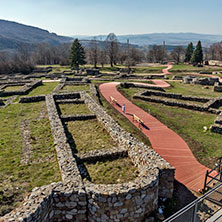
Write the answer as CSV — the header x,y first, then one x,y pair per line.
x,y
94,17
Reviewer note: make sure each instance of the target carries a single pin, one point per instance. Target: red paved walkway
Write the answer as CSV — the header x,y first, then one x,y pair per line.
x,y
164,141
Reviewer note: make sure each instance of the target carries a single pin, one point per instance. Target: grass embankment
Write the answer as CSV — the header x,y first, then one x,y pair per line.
x,y
74,88
89,135
111,172
206,146
17,179
73,109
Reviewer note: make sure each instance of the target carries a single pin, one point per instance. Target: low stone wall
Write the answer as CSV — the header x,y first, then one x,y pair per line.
x,y
123,202
140,154
103,154
77,117
94,93
217,88
209,104
75,200
138,85
172,103
72,101
177,96
200,81
217,126
67,96
16,82
25,90
32,99
2,103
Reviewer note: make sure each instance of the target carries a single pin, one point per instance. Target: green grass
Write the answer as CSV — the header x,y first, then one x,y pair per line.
x,y
111,172
74,109
16,180
74,88
189,125
185,67
149,69
89,135
12,88
191,89
46,88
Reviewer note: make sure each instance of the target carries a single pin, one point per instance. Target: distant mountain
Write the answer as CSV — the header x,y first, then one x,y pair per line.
x,y
158,38
13,34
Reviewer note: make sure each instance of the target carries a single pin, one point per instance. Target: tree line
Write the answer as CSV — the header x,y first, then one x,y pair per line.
x,y
96,52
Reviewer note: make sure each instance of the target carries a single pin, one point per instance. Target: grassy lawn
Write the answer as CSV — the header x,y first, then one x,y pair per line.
x,y
149,69
176,100
74,109
189,125
17,179
46,88
111,172
74,88
89,135
191,89
12,88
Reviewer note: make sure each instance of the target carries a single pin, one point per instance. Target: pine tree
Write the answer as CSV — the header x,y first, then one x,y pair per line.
x,y
77,54
197,56
189,52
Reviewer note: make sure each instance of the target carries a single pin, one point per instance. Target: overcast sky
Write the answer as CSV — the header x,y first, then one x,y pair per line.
x,y
95,17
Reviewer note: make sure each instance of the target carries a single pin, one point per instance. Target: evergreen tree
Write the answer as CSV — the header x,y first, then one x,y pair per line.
x,y
77,54
189,52
197,56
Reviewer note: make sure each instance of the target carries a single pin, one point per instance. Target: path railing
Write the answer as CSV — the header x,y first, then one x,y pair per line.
x,y
192,212
211,178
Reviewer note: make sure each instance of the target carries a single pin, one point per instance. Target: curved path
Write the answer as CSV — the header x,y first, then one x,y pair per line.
x,y
164,141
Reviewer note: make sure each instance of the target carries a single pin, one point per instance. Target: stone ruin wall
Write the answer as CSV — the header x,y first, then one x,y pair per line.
x,y
73,199
29,86
209,104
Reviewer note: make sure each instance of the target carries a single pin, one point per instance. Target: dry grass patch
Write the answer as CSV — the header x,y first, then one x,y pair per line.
x,y
74,88
89,135
16,179
73,109
12,88
111,172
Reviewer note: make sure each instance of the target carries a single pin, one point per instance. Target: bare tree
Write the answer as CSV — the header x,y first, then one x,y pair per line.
x,y
93,52
102,57
177,53
111,45
216,51
156,54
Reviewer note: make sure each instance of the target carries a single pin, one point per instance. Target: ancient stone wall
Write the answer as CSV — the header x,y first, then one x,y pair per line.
x,y
209,104
24,90
73,199
138,85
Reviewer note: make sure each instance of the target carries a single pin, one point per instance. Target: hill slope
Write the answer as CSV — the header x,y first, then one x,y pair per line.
x,y
13,34
158,38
